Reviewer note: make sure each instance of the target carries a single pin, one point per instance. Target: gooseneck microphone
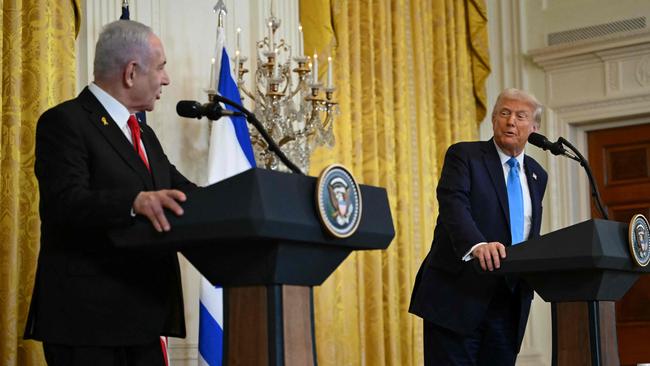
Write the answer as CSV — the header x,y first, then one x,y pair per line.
x,y
213,111
194,109
557,148
542,142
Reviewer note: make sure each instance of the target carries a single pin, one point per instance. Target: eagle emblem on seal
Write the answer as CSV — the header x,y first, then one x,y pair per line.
x,y
339,193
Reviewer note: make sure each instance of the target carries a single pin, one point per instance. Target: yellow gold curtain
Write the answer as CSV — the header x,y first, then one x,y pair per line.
x,y
410,76
38,71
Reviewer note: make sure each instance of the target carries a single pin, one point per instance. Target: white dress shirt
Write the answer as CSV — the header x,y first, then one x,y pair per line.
x,y
116,110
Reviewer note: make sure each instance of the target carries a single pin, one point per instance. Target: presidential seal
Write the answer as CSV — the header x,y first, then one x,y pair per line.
x,y
639,237
338,200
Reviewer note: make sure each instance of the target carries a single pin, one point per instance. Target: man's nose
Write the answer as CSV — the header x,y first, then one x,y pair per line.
x,y
165,78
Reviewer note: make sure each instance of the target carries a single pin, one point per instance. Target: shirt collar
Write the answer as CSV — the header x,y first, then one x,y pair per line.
x,y
115,109
505,157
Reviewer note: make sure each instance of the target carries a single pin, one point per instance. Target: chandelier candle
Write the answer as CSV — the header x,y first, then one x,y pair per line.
x,y
300,41
314,72
330,83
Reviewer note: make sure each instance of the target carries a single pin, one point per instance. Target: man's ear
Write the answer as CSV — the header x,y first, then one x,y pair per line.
x,y
129,74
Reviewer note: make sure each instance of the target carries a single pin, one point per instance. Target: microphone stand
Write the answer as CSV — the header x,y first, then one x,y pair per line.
x,y
593,306
592,183
250,117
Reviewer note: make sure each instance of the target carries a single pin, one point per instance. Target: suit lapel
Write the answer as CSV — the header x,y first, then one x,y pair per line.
x,y
495,170
109,129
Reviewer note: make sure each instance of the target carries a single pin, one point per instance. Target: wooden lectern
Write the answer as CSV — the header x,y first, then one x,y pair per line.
x,y
257,234
587,262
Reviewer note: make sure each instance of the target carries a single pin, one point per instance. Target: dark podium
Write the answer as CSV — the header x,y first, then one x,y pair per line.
x,y
587,262
257,234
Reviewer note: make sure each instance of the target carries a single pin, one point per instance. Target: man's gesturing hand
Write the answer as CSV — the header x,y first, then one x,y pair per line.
x,y
490,255
152,204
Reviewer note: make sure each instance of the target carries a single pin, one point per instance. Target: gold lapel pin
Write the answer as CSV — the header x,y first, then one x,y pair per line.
x,y
104,121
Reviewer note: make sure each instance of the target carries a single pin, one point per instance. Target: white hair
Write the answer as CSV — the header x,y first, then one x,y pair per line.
x,y
516,94
119,43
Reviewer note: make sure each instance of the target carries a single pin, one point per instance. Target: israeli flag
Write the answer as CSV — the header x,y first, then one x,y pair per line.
x,y
230,153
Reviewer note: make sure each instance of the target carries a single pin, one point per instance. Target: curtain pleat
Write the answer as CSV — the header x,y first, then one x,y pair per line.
x,y
410,78
37,72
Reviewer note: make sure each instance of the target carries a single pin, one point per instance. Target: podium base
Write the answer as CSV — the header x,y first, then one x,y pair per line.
x,y
269,326
573,336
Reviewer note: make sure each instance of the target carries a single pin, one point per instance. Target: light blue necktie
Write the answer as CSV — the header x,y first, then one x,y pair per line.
x,y
515,203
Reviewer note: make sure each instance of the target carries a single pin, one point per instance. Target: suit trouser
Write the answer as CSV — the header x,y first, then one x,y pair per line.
x,y
493,343
139,355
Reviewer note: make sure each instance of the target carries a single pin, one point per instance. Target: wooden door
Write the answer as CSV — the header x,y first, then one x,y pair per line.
x,y
620,161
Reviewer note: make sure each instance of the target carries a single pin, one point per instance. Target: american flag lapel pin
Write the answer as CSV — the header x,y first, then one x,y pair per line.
x,y
104,121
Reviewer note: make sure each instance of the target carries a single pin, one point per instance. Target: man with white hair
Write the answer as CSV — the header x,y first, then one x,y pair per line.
x,y
490,197
98,168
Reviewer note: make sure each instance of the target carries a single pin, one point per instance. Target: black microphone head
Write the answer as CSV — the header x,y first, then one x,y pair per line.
x,y
538,140
542,142
189,109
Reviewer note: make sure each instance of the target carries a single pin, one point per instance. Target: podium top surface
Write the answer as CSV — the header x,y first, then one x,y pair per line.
x,y
260,205
590,245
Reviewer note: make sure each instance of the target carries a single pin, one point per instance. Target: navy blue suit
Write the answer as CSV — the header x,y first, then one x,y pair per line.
x,y
473,208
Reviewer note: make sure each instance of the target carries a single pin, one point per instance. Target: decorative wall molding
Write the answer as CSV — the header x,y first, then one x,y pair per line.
x,y
613,76
608,108
643,71
590,85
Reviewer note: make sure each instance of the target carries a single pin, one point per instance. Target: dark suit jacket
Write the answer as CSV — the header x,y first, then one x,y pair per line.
x,y
473,208
86,291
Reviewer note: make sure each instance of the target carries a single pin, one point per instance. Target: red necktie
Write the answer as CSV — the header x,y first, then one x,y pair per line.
x,y
135,137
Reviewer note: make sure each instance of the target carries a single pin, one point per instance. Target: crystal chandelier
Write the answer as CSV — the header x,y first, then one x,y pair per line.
x,y
296,109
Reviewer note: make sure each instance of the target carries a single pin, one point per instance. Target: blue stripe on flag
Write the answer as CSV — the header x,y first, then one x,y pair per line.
x,y
210,338
230,153
125,13
228,88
